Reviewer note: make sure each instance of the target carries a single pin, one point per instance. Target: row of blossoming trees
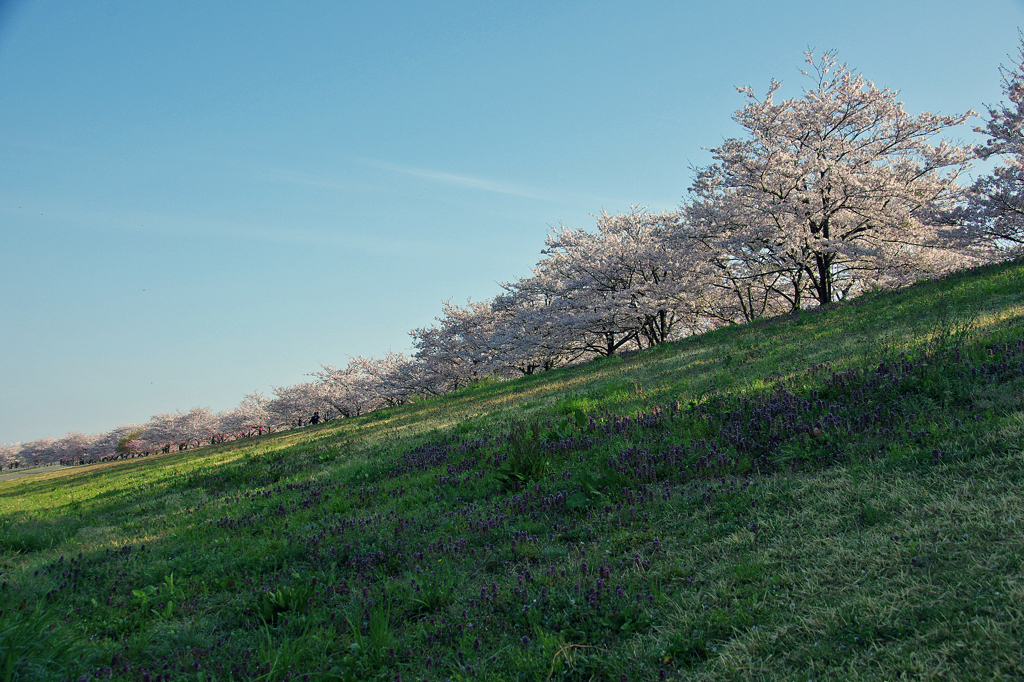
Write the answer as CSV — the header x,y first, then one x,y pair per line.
x,y
826,196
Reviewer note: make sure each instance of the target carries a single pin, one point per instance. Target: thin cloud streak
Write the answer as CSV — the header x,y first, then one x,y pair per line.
x,y
455,179
467,181
484,184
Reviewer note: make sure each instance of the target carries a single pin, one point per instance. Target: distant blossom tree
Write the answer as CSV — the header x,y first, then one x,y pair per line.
x,y
994,215
623,285
10,455
252,416
392,377
529,334
41,449
294,405
162,428
456,350
197,425
349,390
75,445
124,440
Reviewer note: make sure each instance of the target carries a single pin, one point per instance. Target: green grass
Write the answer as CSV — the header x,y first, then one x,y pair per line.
x,y
832,495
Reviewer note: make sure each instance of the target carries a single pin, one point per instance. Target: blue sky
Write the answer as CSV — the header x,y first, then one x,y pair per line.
x,y
199,200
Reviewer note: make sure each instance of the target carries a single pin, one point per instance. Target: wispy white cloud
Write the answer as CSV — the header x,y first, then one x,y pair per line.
x,y
454,179
483,184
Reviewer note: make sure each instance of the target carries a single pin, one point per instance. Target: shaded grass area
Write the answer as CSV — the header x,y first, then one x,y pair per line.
x,y
836,494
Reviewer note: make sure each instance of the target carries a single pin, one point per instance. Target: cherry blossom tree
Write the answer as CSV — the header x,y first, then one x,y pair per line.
x,y
529,333
456,350
590,304
994,214
295,405
10,455
251,417
124,439
182,429
138,446
162,429
39,450
197,425
742,278
75,445
828,192
368,384
622,285
664,292
348,389
391,377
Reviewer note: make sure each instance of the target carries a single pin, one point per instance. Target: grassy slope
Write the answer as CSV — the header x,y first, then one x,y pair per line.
x,y
792,512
